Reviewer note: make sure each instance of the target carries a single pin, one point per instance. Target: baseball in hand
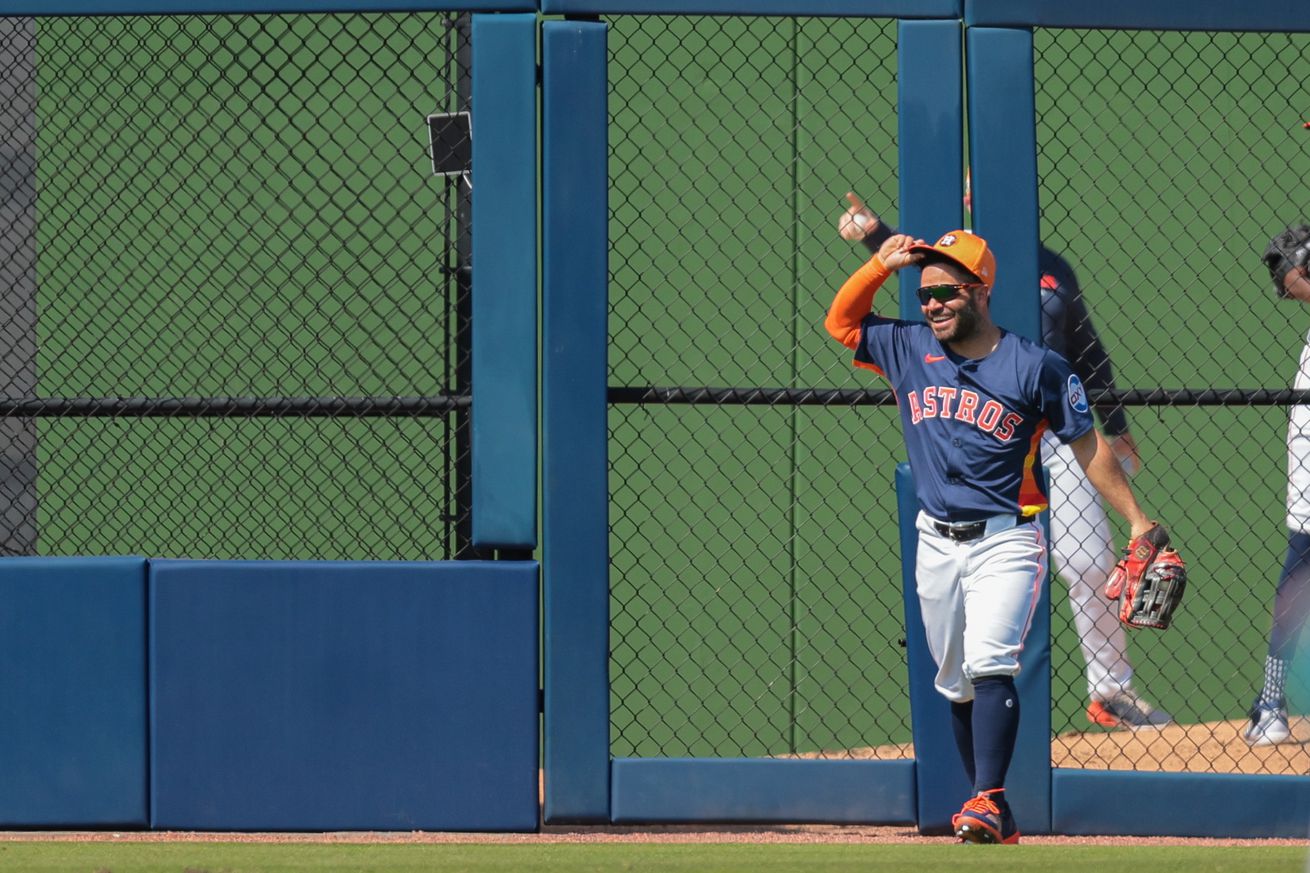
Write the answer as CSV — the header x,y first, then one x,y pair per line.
x,y
854,225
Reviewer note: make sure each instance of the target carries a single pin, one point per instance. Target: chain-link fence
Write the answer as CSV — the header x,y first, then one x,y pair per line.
x,y
753,610
1166,162
756,592
234,321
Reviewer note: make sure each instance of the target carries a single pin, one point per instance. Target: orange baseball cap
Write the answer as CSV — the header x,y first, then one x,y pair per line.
x,y
966,249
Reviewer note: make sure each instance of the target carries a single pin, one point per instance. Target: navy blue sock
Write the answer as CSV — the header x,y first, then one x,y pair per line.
x,y
962,727
995,729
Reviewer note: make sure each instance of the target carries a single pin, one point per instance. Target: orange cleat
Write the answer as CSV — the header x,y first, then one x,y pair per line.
x,y
986,818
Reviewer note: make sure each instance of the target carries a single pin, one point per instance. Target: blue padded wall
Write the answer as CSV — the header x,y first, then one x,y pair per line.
x,y
575,461
329,696
1003,157
73,692
1180,804
941,782
504,416
752,790
930,119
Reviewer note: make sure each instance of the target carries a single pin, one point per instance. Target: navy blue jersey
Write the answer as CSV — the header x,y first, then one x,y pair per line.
x,y
973,427
1066,327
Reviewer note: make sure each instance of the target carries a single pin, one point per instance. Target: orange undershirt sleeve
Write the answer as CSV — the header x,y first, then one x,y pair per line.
x,y
854,301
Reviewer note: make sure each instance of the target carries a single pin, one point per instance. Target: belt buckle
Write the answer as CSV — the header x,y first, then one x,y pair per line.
x,y
975,528
957,531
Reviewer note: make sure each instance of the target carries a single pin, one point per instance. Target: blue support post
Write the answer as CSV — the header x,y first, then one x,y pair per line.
x,y
504,412
931,131
931,118
575,488
939,775
1003,156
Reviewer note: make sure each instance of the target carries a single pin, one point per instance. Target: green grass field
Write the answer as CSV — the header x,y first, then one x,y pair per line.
x,y
645,858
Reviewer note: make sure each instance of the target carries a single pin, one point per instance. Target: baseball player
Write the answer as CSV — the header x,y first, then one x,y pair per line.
x,y
1287,257
1080,531
974,402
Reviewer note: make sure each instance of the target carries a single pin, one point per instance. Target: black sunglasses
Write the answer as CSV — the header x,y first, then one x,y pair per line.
x,y
943,293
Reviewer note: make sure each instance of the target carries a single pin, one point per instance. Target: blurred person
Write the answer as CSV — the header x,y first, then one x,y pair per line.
x,y
1286,257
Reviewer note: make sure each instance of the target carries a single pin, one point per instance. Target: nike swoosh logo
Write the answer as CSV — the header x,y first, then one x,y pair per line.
x,y
932,359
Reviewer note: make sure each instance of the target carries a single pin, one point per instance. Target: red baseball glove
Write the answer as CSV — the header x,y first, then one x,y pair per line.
x,y
1148,581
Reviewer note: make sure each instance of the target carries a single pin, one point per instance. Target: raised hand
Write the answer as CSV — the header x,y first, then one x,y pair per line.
x,y
858,221
895,252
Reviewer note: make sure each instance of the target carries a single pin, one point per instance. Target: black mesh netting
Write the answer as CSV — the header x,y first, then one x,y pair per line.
x,y
235,306
754,610
1166,162
756,603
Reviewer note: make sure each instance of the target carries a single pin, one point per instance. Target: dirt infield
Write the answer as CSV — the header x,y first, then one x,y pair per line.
x,y
1210,747
1207,747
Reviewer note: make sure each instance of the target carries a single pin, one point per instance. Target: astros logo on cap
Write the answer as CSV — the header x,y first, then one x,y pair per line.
x,y
965,249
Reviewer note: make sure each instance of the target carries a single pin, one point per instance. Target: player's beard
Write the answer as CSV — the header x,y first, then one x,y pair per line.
x,y
966,324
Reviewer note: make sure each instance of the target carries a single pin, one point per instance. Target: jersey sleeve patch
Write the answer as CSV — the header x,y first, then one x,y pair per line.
x,y
1077,395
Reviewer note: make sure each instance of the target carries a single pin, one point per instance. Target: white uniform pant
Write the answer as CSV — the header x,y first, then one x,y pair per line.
x,y
1084,555
977,600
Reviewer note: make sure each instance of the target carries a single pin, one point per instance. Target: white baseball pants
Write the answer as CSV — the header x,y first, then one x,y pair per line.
x,y
977,598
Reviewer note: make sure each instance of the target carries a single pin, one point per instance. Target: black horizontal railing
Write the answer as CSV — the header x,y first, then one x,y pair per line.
x,y
884,397
443,404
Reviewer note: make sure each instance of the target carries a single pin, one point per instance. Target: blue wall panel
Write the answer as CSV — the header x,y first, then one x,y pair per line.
x,y
930,118
864,8
763,790
1267,15
942,785
1180,804
1003,156
575,487
73,692
326,696
505,281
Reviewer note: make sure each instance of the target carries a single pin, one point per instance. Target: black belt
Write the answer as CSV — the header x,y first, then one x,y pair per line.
x,y
963,531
